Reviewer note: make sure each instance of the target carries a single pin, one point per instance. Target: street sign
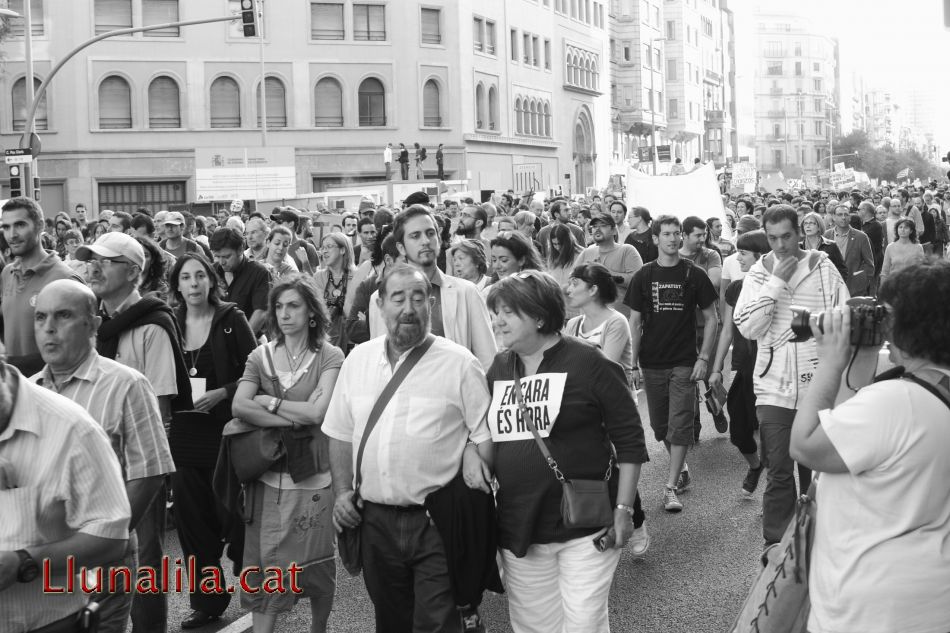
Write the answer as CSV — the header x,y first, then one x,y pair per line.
x,y
18,156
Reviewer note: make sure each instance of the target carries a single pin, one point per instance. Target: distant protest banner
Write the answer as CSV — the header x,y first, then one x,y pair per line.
x,y
744,178
842,179
542,395
696,193
774,182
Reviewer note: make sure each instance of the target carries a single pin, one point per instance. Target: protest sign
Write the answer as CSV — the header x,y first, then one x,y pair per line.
x,y
744,177
842,179
696,193
542,395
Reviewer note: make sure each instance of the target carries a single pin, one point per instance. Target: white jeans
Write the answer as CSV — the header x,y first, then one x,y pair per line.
x,y
560,587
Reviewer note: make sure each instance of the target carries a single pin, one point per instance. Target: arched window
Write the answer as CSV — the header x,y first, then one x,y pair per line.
x,y
577,70
276,102
328,103
589,73
493,108
519,127
534,117
596,83
480,114
526,116
164,103
372,103
431,106
115,104
547,119
225,103
20,111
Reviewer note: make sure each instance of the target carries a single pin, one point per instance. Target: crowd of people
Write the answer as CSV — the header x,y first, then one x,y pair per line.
x,y
436,376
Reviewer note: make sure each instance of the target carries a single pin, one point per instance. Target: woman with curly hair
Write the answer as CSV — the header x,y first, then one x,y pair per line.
x,y
333,281
153,282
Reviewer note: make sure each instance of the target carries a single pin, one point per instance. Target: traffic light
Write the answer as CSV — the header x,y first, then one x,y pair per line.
x,y
16,181
249,18
36,188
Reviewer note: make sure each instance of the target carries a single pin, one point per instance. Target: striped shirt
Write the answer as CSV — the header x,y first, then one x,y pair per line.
x,y
121,400
58,477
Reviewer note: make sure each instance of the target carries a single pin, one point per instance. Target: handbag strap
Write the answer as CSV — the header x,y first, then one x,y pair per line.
x,y
271,370
529,422
934,389
388,391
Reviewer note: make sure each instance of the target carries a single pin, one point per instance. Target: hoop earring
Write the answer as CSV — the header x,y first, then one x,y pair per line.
x,y
313,323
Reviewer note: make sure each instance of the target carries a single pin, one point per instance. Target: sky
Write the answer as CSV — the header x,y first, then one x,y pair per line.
x,y
897,44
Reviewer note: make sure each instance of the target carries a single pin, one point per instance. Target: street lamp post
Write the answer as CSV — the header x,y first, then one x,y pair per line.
x,y
656,158
27,16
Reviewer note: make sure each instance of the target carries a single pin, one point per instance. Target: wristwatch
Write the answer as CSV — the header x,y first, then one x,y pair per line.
x,y
28,569
628,509
272,407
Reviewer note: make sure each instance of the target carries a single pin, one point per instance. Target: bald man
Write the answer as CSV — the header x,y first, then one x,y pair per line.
x,y
121,400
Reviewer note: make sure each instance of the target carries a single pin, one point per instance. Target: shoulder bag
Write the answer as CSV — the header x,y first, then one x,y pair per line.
x,y
348,541
254,449
585,503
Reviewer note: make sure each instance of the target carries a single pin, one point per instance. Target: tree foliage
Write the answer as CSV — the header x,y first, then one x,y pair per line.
x,y
882,162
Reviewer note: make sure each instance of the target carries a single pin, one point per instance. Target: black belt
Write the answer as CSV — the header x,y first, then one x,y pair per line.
x,y
385,506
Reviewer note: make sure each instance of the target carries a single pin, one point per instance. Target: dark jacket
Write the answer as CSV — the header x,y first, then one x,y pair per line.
x,y
858,260
148,311
465,519
875,232
834,255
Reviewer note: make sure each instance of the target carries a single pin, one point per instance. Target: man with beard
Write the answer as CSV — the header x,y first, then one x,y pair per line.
x,y
622,260
433,413
21,220
472,221
458,312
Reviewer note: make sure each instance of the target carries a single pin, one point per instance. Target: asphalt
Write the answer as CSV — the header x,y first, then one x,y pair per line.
x,y
692,580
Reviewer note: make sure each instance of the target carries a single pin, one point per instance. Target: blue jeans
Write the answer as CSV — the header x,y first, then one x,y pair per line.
x,y
150,611
406,571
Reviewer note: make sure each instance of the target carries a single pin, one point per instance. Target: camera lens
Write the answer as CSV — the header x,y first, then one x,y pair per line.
x,y
800,326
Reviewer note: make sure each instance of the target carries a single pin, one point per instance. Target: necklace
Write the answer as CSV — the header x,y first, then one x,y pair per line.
x,y
292,358
337,286
193,357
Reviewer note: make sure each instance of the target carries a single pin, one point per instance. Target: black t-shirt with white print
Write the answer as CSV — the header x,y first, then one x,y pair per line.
x,y
669,321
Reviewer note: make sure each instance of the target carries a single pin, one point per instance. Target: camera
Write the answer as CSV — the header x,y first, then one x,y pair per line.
x,y
867,319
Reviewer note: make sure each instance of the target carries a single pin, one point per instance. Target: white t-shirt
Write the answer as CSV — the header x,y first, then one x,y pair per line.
x,y
731,268
881,559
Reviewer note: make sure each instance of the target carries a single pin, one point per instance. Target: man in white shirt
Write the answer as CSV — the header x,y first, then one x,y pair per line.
x,y
416,450
388,160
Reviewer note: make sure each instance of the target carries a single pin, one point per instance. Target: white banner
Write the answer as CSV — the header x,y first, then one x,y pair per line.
x,y
542,395
696,193
245,173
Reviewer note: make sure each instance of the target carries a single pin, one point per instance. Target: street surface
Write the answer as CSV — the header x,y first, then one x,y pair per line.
x,y
692,580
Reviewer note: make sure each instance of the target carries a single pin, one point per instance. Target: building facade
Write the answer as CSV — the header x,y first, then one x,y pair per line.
x,y
516,92
796,80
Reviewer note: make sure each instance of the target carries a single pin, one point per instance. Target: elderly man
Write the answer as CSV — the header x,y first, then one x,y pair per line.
x,y
120,399
436,409
856,250
140,333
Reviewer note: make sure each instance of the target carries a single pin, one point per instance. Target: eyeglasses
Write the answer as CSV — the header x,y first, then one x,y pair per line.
x,y
106,261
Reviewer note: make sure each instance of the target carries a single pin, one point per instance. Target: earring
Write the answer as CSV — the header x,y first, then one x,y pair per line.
x,y
540,325
313,323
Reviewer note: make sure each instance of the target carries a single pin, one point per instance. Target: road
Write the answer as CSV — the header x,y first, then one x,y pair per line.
x,y
692,580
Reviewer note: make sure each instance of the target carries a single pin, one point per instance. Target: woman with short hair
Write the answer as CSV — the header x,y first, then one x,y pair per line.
x,y
287,384
557,578
813,238
470,263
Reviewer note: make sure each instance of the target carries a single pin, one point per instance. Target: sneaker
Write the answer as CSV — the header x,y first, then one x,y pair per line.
x,y
670,502
640,541
471,622
751,481
722,424
683,481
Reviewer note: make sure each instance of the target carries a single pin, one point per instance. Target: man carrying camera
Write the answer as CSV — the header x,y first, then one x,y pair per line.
x,y
785,363
880,559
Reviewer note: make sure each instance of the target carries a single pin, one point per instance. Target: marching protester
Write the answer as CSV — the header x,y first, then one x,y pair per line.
x,y
622,260
563,254
512,252
244,282
856,251
784,367
428,396
278,261
555,575
287,385
903,251
470,263
216,340
385,256
813,240
333,281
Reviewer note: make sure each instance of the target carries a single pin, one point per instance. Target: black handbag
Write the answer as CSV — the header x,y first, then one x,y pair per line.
x,y
585,503
348,540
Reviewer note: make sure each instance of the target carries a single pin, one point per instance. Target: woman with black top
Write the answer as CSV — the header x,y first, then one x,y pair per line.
x,y
557,579
217,340
333,282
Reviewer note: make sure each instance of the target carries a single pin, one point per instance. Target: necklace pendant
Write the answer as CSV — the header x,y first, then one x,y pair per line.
x,y
192,372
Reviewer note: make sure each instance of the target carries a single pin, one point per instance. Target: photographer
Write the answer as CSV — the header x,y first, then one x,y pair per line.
x,y
784,368
880,559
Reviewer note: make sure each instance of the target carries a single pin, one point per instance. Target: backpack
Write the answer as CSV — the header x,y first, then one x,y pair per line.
x,y
422,154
